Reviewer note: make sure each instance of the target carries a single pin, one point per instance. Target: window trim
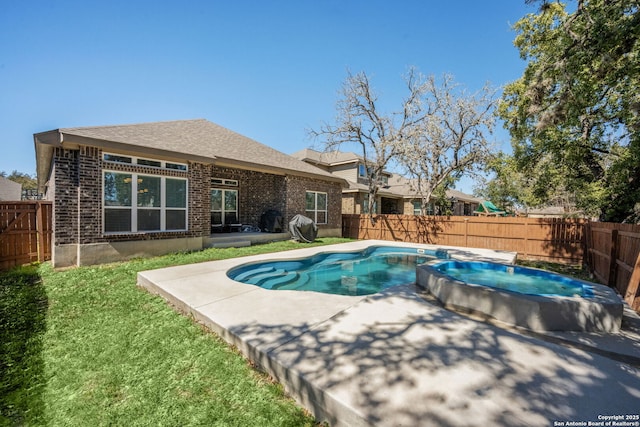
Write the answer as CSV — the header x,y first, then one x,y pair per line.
x,y
163,208
134,161
316,210
224,181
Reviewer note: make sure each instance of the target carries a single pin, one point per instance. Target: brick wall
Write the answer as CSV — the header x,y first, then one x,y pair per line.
x,y
65,206
90,194
350,203
76,189
257,192
199,220
296,199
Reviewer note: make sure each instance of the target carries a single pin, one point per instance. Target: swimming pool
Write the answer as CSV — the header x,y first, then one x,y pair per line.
x,y
362,272
514,278
527,297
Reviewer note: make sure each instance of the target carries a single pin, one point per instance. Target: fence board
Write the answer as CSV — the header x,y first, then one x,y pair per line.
x,y
25,232
534,238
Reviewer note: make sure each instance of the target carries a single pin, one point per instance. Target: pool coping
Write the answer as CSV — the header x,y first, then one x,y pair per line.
x,y
336,355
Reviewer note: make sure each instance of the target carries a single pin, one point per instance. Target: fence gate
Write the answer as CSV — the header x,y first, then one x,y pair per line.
x,y
25,232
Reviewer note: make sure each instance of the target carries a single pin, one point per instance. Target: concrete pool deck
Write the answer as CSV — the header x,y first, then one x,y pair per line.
x,y
394,358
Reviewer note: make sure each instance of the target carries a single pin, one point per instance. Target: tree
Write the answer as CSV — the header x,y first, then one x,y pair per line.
x,y
436,134
27,181
360,122
577,104
508,188
451,140
513,188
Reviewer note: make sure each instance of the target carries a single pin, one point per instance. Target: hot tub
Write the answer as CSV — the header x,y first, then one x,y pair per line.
x,y
546,302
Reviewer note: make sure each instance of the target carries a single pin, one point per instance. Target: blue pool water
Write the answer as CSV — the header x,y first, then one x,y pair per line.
x,y
523,280
343,273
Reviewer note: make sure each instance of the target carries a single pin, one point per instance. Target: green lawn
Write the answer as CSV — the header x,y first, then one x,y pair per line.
x,y
87,347
572,270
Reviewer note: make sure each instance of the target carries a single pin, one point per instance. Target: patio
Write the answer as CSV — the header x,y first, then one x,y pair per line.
x,y
394,358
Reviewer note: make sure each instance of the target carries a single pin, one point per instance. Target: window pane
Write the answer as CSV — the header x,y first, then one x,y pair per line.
x,y
322,201
148,191
311,201
176,193
216,218
230,218
230,200
145,162
216,200
176,220
119,159
117,220
117,189
176,166
321,218
148,219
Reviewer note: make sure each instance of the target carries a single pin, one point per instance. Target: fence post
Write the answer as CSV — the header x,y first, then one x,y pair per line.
x,y
613,257
525,252
632,287
40,231
466,232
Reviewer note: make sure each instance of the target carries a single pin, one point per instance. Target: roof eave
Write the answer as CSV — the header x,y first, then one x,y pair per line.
x,y
237,164
44,144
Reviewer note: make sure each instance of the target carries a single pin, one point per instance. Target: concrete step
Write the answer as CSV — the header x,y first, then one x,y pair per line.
x,y
230,244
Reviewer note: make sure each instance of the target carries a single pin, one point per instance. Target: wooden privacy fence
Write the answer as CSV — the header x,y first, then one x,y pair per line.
x,y
556,240
614,258
25,232
611,251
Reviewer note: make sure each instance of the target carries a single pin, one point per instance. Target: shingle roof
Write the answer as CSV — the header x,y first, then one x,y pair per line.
x,y
200,138
327,158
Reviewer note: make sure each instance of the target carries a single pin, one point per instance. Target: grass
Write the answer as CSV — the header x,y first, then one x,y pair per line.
x,y
572,270
86,346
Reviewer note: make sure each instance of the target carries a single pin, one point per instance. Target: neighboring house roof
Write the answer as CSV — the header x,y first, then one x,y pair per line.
x,y
10,190
196,140
550,211
329,158
398,186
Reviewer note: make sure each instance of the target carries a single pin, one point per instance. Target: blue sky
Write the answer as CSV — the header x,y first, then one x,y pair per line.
x,y
266,69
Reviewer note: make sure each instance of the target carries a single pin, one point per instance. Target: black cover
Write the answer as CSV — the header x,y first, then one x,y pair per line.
x,y
271,221
303,229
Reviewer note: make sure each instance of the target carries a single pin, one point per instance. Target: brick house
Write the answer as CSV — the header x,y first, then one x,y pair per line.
x,y
395,195
153,188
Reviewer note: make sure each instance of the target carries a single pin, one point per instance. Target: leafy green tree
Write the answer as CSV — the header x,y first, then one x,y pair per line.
x,y
28,182
577,105
508,189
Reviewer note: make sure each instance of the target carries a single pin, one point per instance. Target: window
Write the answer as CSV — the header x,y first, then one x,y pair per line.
x,y
222,181
176,166
224,207
365,205
417,208
316,206
130,160
153,163
362,171
143,203
431,209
